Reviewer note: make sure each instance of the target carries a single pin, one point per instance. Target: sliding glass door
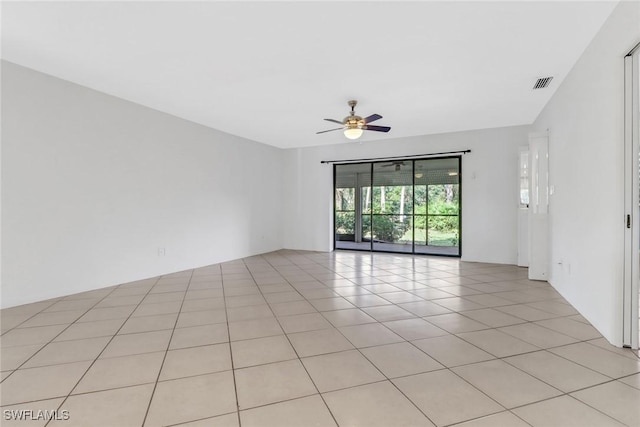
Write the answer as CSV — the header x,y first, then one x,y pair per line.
x,y
437,213
392,207
404,206
352,199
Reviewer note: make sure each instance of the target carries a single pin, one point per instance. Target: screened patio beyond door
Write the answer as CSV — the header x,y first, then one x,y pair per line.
x,y
405,206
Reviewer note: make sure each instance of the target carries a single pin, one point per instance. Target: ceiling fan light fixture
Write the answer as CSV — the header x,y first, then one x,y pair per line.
x,y
353,133
353,126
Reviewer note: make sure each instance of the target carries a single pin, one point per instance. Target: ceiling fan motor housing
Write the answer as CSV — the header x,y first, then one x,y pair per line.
x,y
353,122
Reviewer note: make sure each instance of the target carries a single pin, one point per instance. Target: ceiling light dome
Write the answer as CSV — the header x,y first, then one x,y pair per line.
x,y
353,133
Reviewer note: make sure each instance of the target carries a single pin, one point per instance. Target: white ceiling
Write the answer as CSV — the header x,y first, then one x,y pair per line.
x,y
271,71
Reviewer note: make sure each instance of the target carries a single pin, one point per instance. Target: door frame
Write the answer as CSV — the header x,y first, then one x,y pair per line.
x,y
631,276
413,160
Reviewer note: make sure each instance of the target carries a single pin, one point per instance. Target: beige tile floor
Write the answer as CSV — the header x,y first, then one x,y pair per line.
x,y
295,338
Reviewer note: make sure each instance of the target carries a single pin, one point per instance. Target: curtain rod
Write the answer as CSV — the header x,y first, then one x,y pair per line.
x,y
394,157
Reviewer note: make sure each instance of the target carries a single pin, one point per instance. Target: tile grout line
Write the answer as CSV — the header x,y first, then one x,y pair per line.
x,y
531,375
51,341
116,357
536,378
395,385
30,317
568,394
233,370
445,368
294,350
500,358
98,356
386,378
155,386
56,336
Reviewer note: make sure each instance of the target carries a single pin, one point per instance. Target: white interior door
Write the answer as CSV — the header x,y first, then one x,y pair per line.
x,y
539,206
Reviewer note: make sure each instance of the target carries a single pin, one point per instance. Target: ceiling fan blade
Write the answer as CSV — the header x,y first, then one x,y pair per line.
x,y
377,128
372,118
330,130
335,121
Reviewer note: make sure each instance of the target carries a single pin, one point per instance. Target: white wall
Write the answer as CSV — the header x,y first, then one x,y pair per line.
x,y
93,185
585,121
489,188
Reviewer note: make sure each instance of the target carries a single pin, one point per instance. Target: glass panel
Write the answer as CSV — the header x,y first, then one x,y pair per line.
x,y
366,228
442,235
437,171
443,199
345,225
366,199
350,181
524,179
365,223
345,220
392,206
393,200
393,188
345,199
443,230
391,174
392,233
420,230
437,189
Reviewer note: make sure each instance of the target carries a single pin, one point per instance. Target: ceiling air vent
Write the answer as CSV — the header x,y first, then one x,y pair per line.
x,y
541,83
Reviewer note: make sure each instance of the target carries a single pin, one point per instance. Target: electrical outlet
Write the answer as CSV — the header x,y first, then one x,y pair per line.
x,y
161,252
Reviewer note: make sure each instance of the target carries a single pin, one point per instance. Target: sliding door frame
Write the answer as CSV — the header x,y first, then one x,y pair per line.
x,y
358,207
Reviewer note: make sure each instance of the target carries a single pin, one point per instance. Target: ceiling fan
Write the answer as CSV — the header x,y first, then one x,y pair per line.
x,y
353,125
398,165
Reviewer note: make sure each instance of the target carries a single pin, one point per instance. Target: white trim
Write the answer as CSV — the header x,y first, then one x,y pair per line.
x,y
635,292
631,277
